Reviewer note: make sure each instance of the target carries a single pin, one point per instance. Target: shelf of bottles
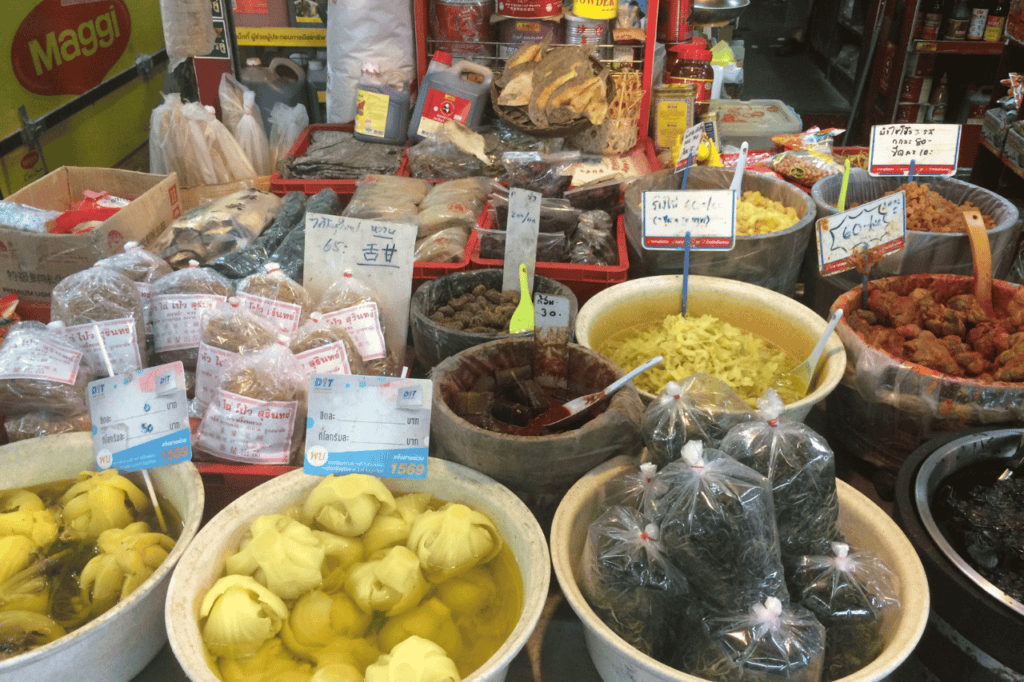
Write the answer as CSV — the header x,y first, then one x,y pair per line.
x,y
961,26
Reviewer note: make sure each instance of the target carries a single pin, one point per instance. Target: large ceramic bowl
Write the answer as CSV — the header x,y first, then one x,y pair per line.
x,y
203,564
118,644
865,525
777,318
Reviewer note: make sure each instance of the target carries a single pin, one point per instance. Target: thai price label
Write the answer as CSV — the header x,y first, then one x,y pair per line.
x,y
880,226
362,323
521,231
36,358
210,367
176,319
241,429
933,147
111,347
140,420
691,145
144,289
709,215
286,315
368,425
550,310
329,359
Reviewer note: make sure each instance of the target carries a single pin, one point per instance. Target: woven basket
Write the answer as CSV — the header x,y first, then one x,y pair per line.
x,y
613,137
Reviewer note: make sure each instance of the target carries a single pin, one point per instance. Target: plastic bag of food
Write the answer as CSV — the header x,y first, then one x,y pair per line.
x,y
276,297
814,139
718,528
551,246
162,156
351,305
556,215
231,95
206,153
637,488
386,197
208,232
323,348
103,317
178,301
630,582
247,261
257,411
804,167
141,267
41,372
800,467
848,591
769,642
546,173
26,218
456,203
699,407
451,152
471,191
228,331
39,424
252,137
605,195
286,125
446,246
292,250
593,242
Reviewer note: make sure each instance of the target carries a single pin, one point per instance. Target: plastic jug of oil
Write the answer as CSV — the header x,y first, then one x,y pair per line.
x,y
282,81
458,92
382,106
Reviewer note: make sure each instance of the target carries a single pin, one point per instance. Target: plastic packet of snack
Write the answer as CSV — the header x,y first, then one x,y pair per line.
x,y
556,215
605,195
445,246
551,246
244,262
324,348
41,372
176,307
26,218
593,241
814,139
385,197
350,304
276,297
804,167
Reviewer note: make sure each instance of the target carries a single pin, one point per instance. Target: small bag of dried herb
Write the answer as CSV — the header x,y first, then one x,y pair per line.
x,y
699,407
718,528
630,582
801,469
593,242
848,591
769,642
547,173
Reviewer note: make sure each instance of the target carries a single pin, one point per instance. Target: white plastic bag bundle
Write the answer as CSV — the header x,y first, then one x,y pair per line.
x,y
188,29
251,136
160,157
230,93
286,124
209,153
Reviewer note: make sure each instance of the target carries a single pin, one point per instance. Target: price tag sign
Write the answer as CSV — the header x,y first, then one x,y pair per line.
x,y
368,425
691,145
140,420
521,237
550,310
933,147
709,215
880,225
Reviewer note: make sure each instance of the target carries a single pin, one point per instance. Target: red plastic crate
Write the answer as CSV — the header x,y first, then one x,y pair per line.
x,y
584,280
224,483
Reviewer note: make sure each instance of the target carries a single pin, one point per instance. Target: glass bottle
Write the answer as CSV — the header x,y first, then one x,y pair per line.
x,y
940,98
956,22
979,17
996,22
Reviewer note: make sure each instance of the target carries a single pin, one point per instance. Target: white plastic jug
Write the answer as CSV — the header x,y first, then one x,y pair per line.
x,y
282,81
458,92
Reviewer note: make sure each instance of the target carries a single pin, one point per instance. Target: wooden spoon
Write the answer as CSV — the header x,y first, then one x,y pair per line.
x,y
981,253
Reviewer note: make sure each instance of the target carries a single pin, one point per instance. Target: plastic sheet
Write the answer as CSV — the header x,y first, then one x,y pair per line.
x,y
25,218
718,528
770,260
291,253
244,262
286,125
700,407
41,372
189,291
39,424
630,582
593,242
800,467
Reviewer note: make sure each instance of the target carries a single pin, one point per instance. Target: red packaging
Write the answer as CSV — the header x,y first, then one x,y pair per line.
x,y
675,21
467,23
528,9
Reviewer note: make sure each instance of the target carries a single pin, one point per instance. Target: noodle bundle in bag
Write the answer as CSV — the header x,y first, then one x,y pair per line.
x,y
176,307
228,331
386,197
800,467
259,405
143,268
700,407
322,348
350,304
718,527
630,582
847,591
103,317
769,642
41,372
275,296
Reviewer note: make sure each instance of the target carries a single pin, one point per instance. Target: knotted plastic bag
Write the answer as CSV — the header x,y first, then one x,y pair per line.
x,y
637,489
176,307
286,124
699,407
252,137
350,304
276,297
848,591
323,348
801,469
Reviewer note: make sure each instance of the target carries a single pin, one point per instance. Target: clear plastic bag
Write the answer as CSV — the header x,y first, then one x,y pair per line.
x,y
457,203
206,153
177,303
291,253
385,197
188,29
605,195
593,242
556,215
630,582
276,297
244,262
699,407
546,173
351,305
39,424
231,94
718,528
25,218
550,246
804,167
638,488
41,372
801,469
137,264
436,157
325,348
252,137
445,246
161,157
770,642
286,125
848,591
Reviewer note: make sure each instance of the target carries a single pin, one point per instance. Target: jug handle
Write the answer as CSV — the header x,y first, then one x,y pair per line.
x,y
288,64
466,66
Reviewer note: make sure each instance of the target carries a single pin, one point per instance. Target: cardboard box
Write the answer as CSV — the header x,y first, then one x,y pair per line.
x,y
32,264
1014,147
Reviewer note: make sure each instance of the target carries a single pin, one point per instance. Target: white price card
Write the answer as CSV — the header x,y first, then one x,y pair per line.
x,y
550,310
521,231
709,215
879,225
368,425
933,147
379,254
140,420
691,145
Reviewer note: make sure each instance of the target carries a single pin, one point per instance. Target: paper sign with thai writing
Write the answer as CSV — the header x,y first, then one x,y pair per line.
x,y
521,237
880,226
368,425
550,310
379,254
709,215
933,147
691,145
140,420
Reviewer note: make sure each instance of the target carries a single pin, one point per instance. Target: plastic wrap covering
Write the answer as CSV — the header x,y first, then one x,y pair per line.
x,y
137,264
803,167
258,411
385,197
847,591
718,527
286,125
276,297
768,260
593,242
350,304
324,348
546,173
39,424
637,488
886,407
196,146
244,262
801,469
769,642
41,372
630,582
228,331
457,203
105,319
177,303
208,232
924,252
26,218
700,407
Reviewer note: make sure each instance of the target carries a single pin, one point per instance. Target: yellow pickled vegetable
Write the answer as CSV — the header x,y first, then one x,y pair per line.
x,y
757,214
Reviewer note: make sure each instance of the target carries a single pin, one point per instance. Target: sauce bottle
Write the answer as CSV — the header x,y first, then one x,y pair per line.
x,y
996,21
940,98
693,65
